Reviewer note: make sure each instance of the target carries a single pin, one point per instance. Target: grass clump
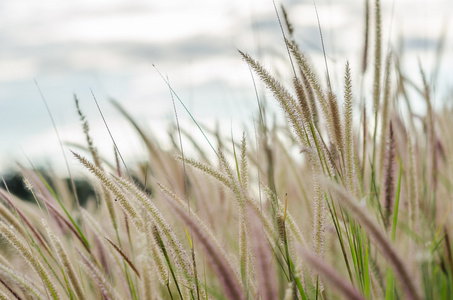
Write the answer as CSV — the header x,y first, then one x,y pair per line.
x,y
353,224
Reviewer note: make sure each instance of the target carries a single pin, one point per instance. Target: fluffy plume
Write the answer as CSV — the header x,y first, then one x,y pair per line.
x,y
377,57
244,164
30,258
305,110
413,188
348,133
225,274
385,113
98,277
337,134
180,254
24,282
65,263
203,226
112,187
283,97
313,82
389,177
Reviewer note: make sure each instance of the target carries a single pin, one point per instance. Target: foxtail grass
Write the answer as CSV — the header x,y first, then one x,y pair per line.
x,y
28,255
312,209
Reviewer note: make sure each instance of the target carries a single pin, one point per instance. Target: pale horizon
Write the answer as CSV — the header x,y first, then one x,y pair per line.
x,y
110,47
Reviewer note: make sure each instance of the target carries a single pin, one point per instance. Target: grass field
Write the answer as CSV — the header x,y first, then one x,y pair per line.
x,y
350,199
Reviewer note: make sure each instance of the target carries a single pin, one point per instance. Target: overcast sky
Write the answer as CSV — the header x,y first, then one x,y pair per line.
x,y
109,47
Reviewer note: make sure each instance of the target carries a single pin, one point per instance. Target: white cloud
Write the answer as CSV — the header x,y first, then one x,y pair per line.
x,y
109,46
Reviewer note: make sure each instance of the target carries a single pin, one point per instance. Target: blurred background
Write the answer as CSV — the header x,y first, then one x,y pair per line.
x,y
67,48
